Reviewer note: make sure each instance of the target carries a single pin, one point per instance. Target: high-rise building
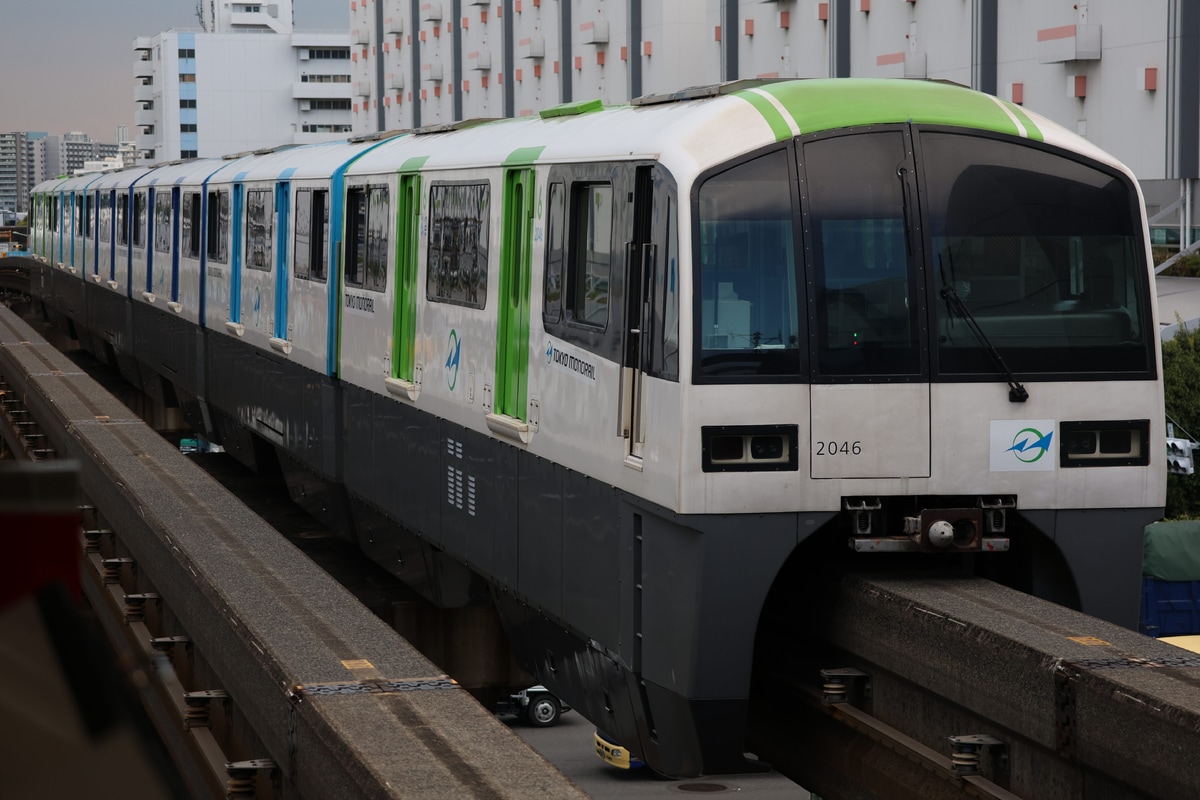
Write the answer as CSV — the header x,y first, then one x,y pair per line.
x,y
21,168
245,80
66,154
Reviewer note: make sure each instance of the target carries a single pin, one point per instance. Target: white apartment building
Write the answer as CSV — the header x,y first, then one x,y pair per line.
x,y
22,166
243,81
1124,74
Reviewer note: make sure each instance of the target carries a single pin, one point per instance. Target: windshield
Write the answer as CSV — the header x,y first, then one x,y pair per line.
x,y
749,322
925,254
1042,251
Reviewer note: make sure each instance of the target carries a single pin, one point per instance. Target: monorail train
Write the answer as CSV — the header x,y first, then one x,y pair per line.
x,y
622,370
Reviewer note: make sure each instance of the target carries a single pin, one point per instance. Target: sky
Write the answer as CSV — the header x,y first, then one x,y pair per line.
x,y
67,65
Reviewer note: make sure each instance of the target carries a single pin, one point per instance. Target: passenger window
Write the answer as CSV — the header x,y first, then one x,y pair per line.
x,y
139,219
105,199
260,227
312,233
122,220
219,217
458,244
190,221
367,239
162,221
670,295
748,321
590,259
81,227
555,213
862,268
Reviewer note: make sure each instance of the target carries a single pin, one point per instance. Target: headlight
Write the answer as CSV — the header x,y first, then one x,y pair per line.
x,y
1108,443
748,448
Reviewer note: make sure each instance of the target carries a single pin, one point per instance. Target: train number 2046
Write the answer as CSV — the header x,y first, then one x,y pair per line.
x,y
839,448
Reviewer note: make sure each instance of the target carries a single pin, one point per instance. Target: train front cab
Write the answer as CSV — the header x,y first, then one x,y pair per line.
x,y
974,320
913,342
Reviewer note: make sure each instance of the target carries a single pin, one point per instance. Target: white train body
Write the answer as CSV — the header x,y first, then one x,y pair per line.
x,y
624,364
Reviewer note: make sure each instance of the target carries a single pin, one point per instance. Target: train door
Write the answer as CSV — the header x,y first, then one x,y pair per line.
x,y
176,243
155,230
641,257
235,264
404,374
73,210
281,338
56,224
121,231
85,218
366,322
98,233
863,244
512,333
108,233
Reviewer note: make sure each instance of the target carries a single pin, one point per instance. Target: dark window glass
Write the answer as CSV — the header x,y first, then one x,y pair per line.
x,y
162,221
458,244
748,321
301,246
260,229
862,270
670,295
552,303
191,224
81,218
1044,251
122,219
219,217
589,262
140,215
367,239
312,232
106,216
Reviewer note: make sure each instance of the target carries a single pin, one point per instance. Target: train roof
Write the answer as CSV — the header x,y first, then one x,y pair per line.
x,y
305,161
183,172
116,180
689,131
692,130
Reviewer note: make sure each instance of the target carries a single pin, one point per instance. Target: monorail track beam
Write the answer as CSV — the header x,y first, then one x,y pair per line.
x,y
975,690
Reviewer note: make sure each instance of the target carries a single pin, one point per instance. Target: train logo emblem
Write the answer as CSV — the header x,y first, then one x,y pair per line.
x,y
1030,444
1020,445
453,354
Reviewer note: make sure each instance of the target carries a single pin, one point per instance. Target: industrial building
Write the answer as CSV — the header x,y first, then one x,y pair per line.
x,y
1124,75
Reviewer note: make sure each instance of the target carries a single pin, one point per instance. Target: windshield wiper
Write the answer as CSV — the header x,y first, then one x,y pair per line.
x,y
1016,392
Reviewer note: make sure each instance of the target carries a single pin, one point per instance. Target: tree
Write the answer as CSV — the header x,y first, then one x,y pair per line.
x,y
1181,379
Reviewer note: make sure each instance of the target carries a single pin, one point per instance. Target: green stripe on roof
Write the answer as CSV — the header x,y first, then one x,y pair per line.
x,y
1032,130
770,114
523,155
825,104
413,164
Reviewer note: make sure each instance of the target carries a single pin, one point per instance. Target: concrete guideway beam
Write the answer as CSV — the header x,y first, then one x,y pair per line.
x,y
343,706
1079,703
